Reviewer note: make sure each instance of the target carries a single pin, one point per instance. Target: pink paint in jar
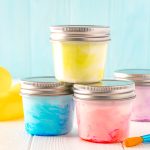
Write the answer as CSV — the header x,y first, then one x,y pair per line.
x,y
141,106
103,110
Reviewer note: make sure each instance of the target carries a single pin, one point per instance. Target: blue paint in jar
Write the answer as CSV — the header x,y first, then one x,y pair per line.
x,y
47,112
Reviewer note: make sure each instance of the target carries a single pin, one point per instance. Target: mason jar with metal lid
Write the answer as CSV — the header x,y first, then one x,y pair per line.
x,y
79,52
141,77
104,109
48,106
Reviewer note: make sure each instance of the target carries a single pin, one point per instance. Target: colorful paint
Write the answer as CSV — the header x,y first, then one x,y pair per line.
x,y
103,122
48,115
141,106
79,61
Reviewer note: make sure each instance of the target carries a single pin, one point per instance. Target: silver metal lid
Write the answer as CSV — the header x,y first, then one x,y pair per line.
x,y
44,86
105,90
80,33
139,76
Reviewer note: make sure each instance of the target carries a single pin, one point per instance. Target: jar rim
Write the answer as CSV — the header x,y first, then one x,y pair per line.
x,y
106,89
141,77
89,99
78,29
44,85
80,33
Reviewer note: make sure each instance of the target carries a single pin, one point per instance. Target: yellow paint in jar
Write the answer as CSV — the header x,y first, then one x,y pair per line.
x,y
79,61
79,53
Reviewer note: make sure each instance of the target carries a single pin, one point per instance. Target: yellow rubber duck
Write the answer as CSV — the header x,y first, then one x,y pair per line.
x,y
10,100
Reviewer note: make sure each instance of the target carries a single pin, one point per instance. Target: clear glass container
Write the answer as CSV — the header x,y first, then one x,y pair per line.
x,y
79,52
104,110
141,107
48,106
141,77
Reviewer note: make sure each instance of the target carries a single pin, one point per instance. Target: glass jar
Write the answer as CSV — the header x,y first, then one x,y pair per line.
x,y
141,77
79,52
48,106
103,110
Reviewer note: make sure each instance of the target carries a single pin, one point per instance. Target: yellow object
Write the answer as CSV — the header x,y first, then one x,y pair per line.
x,y
133,141
11,104
77,61
10,100
5,80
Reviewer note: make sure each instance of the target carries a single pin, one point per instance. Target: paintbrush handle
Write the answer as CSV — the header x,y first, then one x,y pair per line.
x,y
146,138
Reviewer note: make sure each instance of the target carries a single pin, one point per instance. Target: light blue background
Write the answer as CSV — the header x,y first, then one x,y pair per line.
x,y
24,34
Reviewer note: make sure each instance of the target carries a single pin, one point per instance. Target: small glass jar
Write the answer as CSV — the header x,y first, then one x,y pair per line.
x,y
48,106
103,110
141,77
79,52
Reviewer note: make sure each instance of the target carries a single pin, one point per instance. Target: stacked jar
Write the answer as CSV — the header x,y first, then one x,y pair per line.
x,y
79,54
79,57
104,110
48,106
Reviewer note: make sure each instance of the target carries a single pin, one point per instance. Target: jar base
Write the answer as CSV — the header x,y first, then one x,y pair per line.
x,y
103,142
78,81
46,134
140,120
37,131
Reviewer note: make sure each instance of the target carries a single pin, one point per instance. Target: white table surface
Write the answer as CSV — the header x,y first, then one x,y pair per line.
x,y
13,137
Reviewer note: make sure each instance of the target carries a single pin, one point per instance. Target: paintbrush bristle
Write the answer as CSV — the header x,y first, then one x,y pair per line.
x,y
133,141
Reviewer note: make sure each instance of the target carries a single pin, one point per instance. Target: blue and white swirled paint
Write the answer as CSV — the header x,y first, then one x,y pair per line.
x,y
51,115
